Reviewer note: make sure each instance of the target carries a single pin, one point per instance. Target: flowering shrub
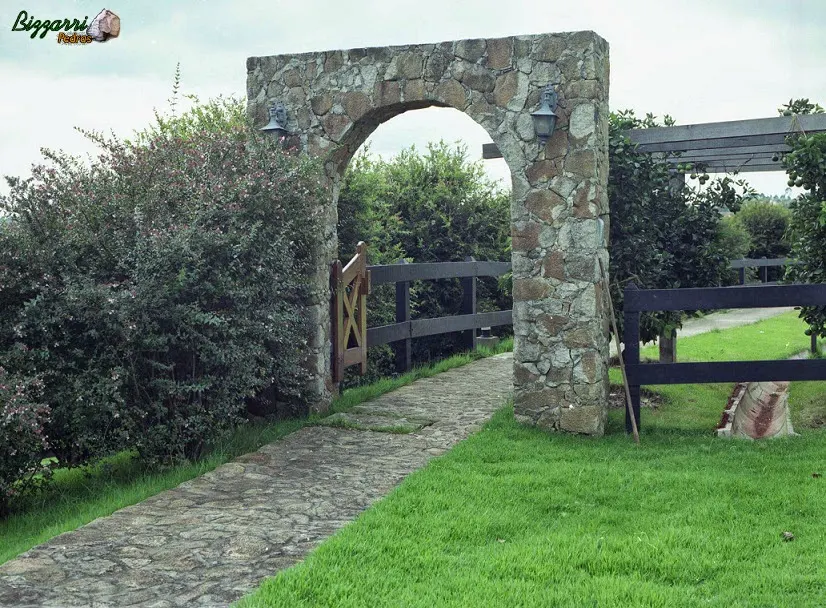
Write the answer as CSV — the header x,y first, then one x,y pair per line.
x,y
21,433
157,289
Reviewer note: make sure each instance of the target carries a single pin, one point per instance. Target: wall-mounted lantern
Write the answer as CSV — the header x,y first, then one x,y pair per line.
x,y
278,121
544,119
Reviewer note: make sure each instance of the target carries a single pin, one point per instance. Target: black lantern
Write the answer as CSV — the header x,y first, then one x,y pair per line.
x,y
278,121
544,119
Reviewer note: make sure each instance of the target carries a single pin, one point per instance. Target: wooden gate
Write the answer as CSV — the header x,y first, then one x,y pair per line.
x,y
351,285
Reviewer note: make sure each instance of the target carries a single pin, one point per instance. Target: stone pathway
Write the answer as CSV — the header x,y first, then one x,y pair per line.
x,y
215,538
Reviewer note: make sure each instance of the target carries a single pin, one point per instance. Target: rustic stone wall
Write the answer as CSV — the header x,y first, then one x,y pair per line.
x,y
336,99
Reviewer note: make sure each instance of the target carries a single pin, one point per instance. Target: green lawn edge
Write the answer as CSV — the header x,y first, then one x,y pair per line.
x,y
514,516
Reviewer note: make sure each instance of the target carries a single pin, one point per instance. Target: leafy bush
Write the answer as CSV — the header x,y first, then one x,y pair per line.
x,y
155,291
766,224
734,240
22,416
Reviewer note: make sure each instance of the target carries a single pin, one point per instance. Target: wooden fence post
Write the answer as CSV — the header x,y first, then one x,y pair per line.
x,y
403,348
631,355
469,306
364,290
814,343
337,314
764,272
742,271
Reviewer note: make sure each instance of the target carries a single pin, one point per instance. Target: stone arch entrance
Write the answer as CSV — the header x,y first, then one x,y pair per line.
x,y
335,99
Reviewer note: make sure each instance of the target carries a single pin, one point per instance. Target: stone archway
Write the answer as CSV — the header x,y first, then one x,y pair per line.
x,y
335,99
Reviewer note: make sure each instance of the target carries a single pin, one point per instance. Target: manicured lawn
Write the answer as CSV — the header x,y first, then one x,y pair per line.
x,y
518,517
79,496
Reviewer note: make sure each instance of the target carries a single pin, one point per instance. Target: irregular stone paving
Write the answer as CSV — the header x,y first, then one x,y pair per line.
x,y
215,538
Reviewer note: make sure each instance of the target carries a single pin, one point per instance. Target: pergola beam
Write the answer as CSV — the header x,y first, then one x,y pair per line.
x,y
719,143
693,137
736,151
742,145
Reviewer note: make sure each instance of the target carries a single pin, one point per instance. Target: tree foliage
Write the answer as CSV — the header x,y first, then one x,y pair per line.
x,y
663,233
767,224
805,164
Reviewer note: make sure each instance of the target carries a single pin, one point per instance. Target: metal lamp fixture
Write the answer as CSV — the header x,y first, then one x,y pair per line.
x,y
544,119
278,121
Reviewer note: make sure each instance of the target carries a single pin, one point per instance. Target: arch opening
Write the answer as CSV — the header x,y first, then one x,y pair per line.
x,y
413,192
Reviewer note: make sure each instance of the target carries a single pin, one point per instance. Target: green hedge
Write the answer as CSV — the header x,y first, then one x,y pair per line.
x,y
151,293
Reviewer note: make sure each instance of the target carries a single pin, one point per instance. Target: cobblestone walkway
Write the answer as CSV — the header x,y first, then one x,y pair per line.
x,y
213,539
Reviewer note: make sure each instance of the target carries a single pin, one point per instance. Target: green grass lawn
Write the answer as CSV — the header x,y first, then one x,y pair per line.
x,y
515,516
79,496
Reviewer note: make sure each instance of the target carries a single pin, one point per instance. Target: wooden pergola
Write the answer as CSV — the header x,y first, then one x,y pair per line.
x,y
723,147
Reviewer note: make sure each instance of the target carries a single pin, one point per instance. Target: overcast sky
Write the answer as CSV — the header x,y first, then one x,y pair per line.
x,y
700,61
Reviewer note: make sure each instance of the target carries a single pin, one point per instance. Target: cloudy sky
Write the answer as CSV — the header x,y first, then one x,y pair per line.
x,y
700,61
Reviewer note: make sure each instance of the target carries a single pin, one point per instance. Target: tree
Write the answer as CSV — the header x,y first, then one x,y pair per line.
x,y
663,234
805,164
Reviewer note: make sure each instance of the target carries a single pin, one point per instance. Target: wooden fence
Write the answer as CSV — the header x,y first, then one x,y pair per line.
x,y
405,328
762,263
712,298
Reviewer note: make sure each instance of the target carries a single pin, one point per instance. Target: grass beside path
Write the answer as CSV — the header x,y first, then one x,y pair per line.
x,y
515,516
79,496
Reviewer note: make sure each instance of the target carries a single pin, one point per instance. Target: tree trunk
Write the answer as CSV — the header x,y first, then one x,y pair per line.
x,y
668,347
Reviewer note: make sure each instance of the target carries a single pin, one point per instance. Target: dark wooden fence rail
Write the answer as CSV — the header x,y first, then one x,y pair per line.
x,y
712,298
405,328
762,263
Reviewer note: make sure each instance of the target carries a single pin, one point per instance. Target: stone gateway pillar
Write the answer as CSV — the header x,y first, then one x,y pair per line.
x,y
335,99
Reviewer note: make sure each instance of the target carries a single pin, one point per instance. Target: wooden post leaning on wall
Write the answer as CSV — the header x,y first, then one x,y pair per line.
x,y
631,354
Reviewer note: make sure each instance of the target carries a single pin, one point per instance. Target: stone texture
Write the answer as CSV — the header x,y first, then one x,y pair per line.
x,y
452,93
356,104
406,66
499,53
543,203
470,50
557,145
554,266
541,171
582,122
581,162
215,538
558,190
435,66
550,48
530,289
